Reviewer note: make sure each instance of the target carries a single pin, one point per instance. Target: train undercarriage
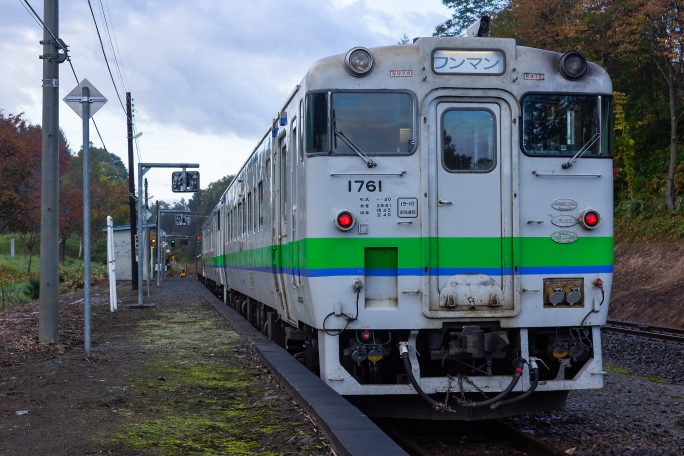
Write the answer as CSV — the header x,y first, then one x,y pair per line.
x,y
477,359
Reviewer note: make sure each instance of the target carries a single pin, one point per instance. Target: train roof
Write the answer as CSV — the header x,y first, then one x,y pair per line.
x,y
421,66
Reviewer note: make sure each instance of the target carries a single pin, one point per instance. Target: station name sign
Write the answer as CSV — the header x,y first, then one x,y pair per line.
x,y
453,61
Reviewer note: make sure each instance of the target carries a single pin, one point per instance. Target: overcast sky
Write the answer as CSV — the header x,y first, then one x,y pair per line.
x,y
207,76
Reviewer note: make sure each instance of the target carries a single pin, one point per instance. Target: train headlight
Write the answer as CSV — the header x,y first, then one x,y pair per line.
x,y
345,221
358,62
572,65
590,219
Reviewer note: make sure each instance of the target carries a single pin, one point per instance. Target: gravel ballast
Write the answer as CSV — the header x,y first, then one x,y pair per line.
x,y
640,410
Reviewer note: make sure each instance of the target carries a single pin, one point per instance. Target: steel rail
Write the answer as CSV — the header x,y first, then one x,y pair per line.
x,y
421,437
645,330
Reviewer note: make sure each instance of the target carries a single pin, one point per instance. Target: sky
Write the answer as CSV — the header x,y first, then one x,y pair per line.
x,y
206,76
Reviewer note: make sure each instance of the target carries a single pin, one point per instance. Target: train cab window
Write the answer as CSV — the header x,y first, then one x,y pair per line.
x,y
468,140
375,123
566,125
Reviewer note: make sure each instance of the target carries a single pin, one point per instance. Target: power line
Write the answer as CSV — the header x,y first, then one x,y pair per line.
x,y
61,45
99,37
113,43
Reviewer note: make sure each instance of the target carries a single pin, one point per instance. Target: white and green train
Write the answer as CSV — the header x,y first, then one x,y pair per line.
x,y
430,221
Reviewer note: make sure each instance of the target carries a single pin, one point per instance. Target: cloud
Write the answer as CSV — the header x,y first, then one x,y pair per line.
x,y
205,75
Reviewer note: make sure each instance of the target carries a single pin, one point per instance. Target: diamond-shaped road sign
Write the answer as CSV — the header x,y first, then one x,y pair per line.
x,y
75,99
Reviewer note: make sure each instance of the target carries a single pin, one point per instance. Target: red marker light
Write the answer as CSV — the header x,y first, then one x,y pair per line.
x,y
344,220
590,219
366,335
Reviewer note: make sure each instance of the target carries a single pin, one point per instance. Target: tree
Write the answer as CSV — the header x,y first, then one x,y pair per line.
x,y
204,201
108,193
20,154
14,172
466,12
660,25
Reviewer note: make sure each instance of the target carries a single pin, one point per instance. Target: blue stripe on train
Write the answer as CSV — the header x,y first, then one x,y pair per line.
x,y
389,272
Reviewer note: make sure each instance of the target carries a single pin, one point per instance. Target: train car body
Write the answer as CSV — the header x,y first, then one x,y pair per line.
x,y
448,202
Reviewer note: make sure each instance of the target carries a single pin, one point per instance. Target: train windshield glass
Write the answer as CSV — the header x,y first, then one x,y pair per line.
x,y
376,123
566,125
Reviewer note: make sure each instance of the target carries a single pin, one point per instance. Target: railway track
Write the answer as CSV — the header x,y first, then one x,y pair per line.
x,y
442,438
649,331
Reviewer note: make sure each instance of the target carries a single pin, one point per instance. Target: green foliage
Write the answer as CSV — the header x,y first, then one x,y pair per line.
x,y
15,286
466,12
71,276
204,201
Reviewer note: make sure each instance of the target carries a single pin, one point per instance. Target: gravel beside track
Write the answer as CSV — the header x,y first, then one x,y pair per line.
x,y
640,410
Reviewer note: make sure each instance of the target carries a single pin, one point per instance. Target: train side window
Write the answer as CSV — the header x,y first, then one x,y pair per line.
x,y
244,216
317,134
239,218
268,168
261,204
249,211
468,140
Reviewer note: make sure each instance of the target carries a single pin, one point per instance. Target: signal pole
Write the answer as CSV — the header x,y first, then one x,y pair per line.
x,y
131,192
49,195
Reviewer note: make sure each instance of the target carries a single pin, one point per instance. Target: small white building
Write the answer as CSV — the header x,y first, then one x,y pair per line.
x,y
122,251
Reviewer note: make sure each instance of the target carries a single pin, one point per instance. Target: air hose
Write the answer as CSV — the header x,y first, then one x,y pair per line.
x,y
403,351
534,372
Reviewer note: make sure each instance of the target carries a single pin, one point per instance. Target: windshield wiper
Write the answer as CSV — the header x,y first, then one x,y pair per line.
x,y
338,134
581,152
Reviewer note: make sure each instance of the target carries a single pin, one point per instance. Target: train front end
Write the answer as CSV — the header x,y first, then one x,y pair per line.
x,y
458,220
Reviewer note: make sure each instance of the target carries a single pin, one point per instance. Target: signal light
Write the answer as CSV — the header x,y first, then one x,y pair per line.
x,y
590,219
173,242
345,221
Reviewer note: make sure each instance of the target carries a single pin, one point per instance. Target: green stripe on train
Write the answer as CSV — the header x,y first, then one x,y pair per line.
x,y
323,253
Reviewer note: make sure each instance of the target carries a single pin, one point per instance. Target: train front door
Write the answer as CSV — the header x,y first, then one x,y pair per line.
x,y
471,249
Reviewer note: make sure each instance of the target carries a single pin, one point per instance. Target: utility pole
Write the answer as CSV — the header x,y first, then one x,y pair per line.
x,y
49,195
131,192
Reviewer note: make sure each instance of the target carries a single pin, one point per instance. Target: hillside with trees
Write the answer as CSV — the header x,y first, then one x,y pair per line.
x,y
641,45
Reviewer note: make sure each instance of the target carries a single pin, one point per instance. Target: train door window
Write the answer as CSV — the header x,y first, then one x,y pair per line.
x,y
468,140
300,146
284,183
317,135
260,189
295,142
218,220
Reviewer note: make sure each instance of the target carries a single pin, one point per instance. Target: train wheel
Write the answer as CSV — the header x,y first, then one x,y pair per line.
x,y
311,350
